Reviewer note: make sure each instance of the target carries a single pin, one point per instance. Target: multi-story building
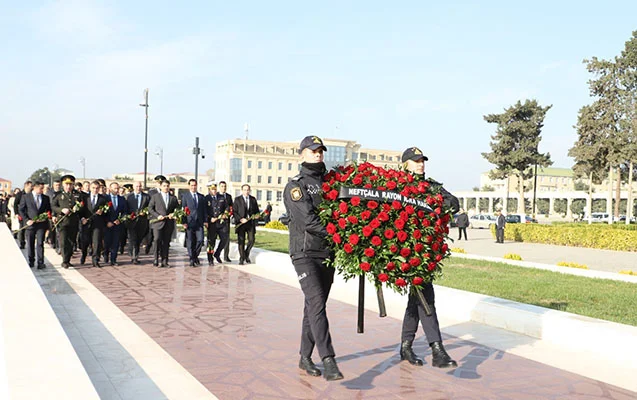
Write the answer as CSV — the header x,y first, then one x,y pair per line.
x,y
5,186
268,166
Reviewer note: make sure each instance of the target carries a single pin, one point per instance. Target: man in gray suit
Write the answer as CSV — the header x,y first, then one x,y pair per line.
x,y
160,208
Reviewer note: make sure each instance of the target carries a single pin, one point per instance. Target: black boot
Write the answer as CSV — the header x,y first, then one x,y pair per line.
x,y
440,357
332,372
306,364
406,353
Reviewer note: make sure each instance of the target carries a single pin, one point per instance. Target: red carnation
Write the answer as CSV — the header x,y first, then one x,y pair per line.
x,y
391,185
401,282
414,262
421,214
326,187
438,210
444,248
342,223
389,233
372,205
396,205
429,239
365,215
415,221
417,234
367,231
393,248
399,224
369,252
383,216
347,248
431,266
132,215
435,246
332,195
352,219
353,239
110,204
404,267
405,252
374,223
438,257
367,186
365,266
410,178
381,188
330,228
357,180
187,210
417,280
386,207
383,277
426,222
48,215
426,256
402,236
373,178
355,201
390,266
418,247
410,209
430,200
343,207
404,216
337,238
376,241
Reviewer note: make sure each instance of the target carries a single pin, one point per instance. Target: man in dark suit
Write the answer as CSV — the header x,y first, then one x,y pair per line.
x,y
32,205
499,227
119,207
218,222
151,192
53,237
70,209
138,226
28,186
244,207
194,223
93,234
160,208
226,223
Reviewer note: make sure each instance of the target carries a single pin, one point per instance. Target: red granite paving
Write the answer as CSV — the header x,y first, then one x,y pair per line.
x,y
238,334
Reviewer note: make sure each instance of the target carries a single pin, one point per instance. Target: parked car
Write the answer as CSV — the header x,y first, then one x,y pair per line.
x,y
481,221
517,218
599,217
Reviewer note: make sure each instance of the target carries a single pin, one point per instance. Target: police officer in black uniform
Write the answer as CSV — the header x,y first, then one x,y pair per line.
x,y
309,250
217,226
70,205
414,162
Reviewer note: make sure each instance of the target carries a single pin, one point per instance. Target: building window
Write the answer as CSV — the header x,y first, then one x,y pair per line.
x,y
289,166
259,179
249,179
268,195
280,166
259,195
249,163
279,180
235,170
279,195
259,164
269,179
269,164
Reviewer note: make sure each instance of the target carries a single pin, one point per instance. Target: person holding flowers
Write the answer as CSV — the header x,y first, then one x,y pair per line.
x,y
194,221
69,206
93,235
117,208
35,210
309,251
160,209
138,223
218,210
245,208
414,162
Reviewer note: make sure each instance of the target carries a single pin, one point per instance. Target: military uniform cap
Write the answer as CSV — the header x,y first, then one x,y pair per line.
x,y
211,185
414,154
160,178
101,181
312,143
128,186
68,179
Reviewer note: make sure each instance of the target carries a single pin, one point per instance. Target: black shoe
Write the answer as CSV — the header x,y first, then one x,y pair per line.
x,y
156,263
70,265
82,259
31,265
136,262
96,264
147,250
218,259
164,265
306,364
65,265
227,259
440,357
331,371
41,266
192,263
114,263
22,246
241,262
407,353
248,260
197,262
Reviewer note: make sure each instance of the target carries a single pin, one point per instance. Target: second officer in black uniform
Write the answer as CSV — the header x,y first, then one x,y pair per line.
x,y
218,213
309,250
70,207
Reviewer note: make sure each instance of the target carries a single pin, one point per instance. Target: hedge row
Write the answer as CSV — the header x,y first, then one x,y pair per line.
x,y
599,225
594,236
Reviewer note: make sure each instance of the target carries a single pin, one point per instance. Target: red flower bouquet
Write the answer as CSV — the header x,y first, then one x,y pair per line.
x,y
387,224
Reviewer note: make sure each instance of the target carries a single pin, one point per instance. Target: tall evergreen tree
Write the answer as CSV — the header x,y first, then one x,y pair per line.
x,y
514,147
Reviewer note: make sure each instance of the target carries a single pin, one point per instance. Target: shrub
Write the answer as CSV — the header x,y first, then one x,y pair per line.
x,y
628,272
571,265
276,225
512,256
458,250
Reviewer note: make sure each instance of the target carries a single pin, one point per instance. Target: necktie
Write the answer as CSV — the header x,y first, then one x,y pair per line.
x,y
93,201
194,196
114,199
247,204
139,201
37,203
166,199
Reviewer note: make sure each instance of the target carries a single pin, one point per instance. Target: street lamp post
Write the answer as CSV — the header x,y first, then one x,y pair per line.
x,y
83,163
145,105
160,152
197,151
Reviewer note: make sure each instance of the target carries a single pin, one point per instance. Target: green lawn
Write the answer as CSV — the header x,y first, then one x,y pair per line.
x,y
597,298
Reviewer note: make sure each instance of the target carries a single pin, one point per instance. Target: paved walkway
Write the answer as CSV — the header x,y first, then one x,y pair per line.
x,y
482,243
238,334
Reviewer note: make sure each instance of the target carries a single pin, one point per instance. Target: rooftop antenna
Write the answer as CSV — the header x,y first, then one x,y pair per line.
x,y
246,129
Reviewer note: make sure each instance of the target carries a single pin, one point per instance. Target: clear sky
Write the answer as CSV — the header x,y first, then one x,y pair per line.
x,y
387,74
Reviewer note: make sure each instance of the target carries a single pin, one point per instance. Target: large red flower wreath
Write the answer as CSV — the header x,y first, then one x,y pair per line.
x,y
394,230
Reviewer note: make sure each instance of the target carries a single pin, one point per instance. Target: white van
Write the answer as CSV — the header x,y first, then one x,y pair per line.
x,y
599,217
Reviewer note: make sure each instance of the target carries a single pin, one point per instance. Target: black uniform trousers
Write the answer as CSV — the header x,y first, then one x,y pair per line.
x,y
244,249
123,238
499,235
67,235
35,243
222,232
416,312
316,281
136,232
161,241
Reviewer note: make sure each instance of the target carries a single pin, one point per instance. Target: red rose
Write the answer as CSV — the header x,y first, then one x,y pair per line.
x,y
390,266
352,219
367,186
342,223
372,205
376,241
410,209
438,257
426,222
429,239
417,280
357,180
404,216
402,236
343,207
399,224
435,246
374,223
391,185
369,252
336,214
405,252
430,200
414,262
393,248
431,266
383,277
415,221
330,228
439,198
404,267
110,204
444,248
347,248
332,195
355,201
367,231
396,205
373,178
410,178
365,266
326,187
438,210
353,239
386,207
426,256
365,215
132,215
421,214
337,238
389,233
380,188
401,282
383,216
187,211
417,234
48,215
418,247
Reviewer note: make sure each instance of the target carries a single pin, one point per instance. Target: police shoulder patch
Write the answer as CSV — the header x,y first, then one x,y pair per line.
x,y
296,194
